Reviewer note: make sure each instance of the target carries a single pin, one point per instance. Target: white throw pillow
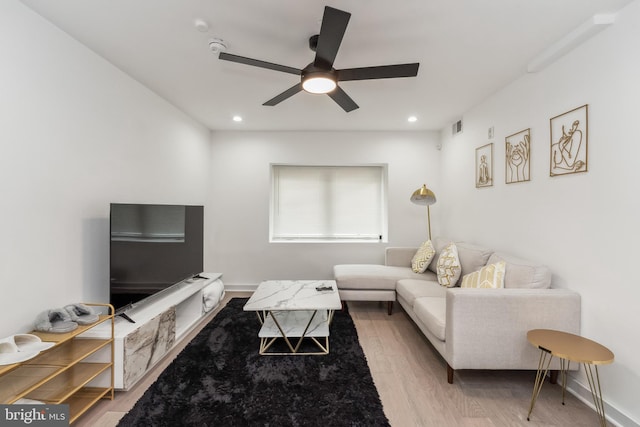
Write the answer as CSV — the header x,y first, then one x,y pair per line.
x,y
490,276
423,256
448,268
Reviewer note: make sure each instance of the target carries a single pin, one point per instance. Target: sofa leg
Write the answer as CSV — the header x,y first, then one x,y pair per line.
x,y
389,307
553,377
449,374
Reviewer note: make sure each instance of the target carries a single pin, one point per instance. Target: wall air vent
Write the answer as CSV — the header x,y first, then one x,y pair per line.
x,y
456,128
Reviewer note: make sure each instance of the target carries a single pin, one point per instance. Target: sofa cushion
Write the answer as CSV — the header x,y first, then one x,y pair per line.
x,y
449,266
520,273
490,276
432,312
439,243
372,276
472,257
410,289
423,257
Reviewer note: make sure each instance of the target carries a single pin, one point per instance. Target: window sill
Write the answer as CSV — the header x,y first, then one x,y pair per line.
x,y
327,241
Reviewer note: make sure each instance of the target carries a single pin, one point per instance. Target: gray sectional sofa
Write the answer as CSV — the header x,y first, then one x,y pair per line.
x,y
470,328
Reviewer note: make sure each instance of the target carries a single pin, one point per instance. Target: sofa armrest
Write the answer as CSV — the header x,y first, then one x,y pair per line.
x,y
399,256
487,328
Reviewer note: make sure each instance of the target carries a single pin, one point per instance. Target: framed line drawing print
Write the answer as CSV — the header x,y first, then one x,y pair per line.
x,y
517,154
484,166
569,135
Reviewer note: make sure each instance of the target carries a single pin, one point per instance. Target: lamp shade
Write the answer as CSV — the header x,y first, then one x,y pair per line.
x,y
423,196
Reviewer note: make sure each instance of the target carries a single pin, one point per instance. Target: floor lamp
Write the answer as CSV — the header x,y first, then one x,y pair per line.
x,y
425,197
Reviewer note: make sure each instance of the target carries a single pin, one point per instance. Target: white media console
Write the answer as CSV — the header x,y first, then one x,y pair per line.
x,y
161,321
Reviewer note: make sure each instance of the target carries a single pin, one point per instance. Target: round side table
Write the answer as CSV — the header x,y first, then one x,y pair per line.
x,y
569,348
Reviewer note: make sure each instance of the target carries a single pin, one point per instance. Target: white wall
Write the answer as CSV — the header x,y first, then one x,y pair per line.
x,y
75,135
584,226
238,239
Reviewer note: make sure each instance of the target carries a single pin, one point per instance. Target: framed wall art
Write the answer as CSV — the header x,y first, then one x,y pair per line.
x,y
517,154
484,166
569,135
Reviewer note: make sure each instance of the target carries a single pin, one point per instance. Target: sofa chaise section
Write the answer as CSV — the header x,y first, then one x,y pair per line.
x,y
374,282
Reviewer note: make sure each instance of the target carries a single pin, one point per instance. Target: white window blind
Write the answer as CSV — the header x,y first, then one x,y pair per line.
x,y
328,203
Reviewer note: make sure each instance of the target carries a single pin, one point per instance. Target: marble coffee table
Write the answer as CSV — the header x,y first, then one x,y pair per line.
x,y
295,310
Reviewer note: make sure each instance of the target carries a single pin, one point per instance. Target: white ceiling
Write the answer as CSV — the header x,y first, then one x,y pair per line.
x,y
467,49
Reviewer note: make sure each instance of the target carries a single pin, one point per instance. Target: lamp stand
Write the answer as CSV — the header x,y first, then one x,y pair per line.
x,y
429,221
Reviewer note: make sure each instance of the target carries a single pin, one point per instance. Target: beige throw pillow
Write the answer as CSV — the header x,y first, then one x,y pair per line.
x,y
423,256
490,276
448,268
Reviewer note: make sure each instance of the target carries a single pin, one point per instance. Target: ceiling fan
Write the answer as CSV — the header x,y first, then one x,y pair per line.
x,y
320,76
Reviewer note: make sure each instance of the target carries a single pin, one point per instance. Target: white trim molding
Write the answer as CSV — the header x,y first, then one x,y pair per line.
x,y
570,41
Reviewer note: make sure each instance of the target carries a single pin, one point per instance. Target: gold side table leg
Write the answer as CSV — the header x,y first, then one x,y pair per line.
x,y
564,367
543,368
596,391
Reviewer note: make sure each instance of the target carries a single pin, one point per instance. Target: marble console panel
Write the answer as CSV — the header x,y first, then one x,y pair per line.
x,y
148,344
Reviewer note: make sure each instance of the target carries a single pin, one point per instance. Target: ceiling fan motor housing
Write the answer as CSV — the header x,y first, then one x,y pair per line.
x,y
313,42
311,70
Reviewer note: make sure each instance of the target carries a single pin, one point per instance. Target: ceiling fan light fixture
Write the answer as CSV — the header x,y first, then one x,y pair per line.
x,y
319,76
319,83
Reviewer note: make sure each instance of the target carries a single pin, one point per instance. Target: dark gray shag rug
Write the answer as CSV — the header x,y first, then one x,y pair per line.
x,y
219,379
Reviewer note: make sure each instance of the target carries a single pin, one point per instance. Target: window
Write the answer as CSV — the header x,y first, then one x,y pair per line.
x,y
328,203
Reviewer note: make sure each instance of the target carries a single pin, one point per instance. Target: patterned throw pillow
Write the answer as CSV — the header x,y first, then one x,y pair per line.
x,y
490,276
448,268
423,257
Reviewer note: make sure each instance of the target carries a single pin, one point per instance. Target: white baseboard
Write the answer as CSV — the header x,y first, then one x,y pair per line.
x,y
613,415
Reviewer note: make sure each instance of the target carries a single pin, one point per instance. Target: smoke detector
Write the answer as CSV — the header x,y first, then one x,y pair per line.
x,y
201,25
217,45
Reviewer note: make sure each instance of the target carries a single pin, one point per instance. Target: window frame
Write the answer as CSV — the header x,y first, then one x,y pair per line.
x,y
384,208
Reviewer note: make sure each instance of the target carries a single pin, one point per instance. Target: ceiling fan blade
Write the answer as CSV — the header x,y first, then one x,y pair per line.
x,y
342,99
380,72
334,25
257,63
284,95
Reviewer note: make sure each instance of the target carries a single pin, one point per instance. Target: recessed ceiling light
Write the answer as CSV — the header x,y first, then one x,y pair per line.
x,y
412,119
237,118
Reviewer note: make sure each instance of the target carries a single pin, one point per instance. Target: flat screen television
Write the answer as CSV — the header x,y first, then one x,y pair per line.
x,y
151,248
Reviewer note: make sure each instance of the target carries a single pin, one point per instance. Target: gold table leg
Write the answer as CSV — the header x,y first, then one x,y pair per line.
x,y
265,343
596,391
591,372
543,368
564,367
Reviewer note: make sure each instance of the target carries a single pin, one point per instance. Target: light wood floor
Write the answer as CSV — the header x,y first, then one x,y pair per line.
x,y
412,382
